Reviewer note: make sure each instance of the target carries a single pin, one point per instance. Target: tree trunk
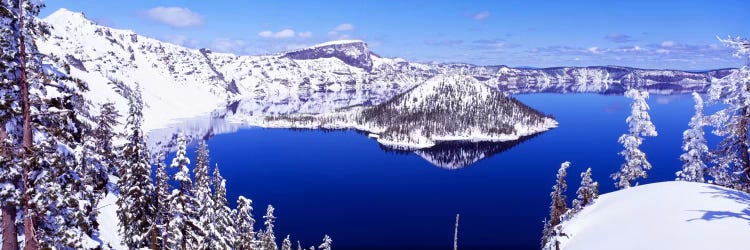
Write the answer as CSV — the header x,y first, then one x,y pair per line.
x,y
28,220
745,144
10,233
10,236
154,246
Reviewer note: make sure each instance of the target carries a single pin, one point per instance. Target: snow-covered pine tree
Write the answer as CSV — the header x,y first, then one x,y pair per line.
x,y
135,204
639,125
299,246
184,230
558,207
245,225
587,192
94,178
694,145
204,199
43,119
161,204
732,156
287,244
327,243
104,134
224,223
559,204
10,131
267,237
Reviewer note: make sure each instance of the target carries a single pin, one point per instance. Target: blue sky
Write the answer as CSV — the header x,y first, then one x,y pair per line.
x,y
647,34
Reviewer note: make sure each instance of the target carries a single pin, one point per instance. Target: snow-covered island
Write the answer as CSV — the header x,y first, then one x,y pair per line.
x,y
444,108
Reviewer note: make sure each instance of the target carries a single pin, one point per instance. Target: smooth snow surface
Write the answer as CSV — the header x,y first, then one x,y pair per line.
x,y
667,215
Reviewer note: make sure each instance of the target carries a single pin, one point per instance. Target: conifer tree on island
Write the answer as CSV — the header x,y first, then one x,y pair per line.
x,y
639,125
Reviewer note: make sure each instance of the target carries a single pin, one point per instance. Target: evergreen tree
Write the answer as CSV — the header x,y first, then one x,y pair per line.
x,y
558,206
732,156
287,244
694,145
587,192
327,243
42,115
223,221
135,203
268,239
184,230
162,193
639,123
205,202
11,118
104,133
244,219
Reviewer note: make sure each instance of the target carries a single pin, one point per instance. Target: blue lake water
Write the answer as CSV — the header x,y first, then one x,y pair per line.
x,y
343,184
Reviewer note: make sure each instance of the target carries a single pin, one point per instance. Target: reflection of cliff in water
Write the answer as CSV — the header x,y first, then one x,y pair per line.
x,y
460,154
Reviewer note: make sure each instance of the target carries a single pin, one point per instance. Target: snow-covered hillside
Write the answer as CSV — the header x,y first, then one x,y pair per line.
x,y
179,82
667,215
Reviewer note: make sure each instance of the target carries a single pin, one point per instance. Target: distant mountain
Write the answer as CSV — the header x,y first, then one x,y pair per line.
x,y
179,82
352,52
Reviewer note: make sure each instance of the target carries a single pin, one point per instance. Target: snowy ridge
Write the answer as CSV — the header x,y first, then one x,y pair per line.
x,y
328,76
667,215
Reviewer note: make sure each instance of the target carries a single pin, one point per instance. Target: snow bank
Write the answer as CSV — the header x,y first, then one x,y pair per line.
x,y
667,215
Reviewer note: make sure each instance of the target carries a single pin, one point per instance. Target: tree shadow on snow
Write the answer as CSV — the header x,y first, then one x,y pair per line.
x,y
738,196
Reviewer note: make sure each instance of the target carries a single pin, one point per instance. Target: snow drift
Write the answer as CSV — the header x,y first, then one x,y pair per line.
x,y
666,215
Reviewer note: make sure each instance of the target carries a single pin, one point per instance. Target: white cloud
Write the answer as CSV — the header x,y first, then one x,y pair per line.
x,y
635,48
306,34
662,51
595,50
667,44
339,31
177,17
481,15
285,33
227,45
343,27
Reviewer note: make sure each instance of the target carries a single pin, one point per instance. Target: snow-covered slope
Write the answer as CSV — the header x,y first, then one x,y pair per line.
x,y
667,215
175,82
